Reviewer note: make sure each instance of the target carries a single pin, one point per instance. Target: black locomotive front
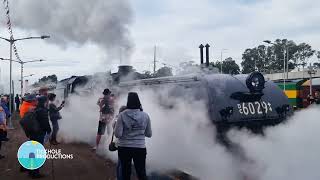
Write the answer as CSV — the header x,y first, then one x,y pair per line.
x,y
232,101
246,101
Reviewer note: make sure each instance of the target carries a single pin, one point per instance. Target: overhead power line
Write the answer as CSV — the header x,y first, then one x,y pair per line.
x,y
9,27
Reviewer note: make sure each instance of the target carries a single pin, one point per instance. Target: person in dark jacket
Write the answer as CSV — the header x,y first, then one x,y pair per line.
x,y
54,115
132,126
43,119
17,101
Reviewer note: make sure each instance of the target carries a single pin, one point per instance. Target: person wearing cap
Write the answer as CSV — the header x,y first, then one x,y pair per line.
x,y
54,117
29,103
106,106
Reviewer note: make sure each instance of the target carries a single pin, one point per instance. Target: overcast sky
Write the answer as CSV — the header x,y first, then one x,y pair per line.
x,y
176,27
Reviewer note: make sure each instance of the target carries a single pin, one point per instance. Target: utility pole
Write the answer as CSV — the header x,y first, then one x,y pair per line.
x,y
311,71
22,66
221,60
154,59
284,69
12,41
21,84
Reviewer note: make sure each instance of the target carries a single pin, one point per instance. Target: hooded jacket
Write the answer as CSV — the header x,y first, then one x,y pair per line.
x,y
132,127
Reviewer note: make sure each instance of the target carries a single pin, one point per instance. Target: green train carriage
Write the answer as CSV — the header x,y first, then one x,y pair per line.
x,y
293,90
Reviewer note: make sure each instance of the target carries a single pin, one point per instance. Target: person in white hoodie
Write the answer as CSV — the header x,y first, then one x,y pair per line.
x,y
132,126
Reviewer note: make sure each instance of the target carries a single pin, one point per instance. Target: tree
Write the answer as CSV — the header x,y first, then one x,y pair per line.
x,y
188,67
229,66
52,78
146,75
303,53
271,58
163,72
316,65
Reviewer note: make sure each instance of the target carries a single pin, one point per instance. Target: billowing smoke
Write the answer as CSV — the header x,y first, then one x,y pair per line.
x,y
184,139
289,151
104,23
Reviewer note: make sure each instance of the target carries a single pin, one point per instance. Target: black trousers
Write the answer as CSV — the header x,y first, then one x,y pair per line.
x,y
17,107
40,139
138,155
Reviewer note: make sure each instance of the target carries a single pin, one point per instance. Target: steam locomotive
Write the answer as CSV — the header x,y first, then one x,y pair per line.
x,y
232,101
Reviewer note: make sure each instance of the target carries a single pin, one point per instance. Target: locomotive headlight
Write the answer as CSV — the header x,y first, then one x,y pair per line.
x,y
255,82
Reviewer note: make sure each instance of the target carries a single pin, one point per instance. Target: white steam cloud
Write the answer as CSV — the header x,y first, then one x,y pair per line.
x,y
288,151
101,22
184,139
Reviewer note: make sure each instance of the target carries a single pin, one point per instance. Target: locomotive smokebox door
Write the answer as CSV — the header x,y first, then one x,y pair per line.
x,y
246,101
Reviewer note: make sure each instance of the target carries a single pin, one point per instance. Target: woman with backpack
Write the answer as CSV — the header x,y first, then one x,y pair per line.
x,y
132,126
54,115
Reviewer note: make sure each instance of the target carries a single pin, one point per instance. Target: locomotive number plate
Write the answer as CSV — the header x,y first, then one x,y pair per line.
x,y
254,108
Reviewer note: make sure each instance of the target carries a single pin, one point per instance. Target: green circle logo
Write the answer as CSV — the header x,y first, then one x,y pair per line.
x,y
32,155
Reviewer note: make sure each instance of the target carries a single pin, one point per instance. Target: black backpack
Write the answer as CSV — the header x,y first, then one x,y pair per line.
x,y
107,107
30,124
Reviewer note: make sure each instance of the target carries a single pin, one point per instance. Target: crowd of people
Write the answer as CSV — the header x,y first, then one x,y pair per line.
x,y
126,131
39,107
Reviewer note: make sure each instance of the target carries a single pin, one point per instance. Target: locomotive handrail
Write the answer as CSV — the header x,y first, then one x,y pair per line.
x,y
164,80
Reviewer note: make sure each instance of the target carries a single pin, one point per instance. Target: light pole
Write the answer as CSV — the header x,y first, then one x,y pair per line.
x,y
222,50
23,89
11,41
285,51
22,66
311,71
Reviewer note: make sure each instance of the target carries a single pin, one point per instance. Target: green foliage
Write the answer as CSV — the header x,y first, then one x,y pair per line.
x,y
146,75
317,65
229,66
163,72
304,52
52,78
270,59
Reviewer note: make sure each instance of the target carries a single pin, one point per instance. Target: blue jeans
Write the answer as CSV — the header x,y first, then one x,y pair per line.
x,y
55,129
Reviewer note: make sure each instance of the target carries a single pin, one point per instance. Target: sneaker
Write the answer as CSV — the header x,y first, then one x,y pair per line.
x,y
1,157
94,148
